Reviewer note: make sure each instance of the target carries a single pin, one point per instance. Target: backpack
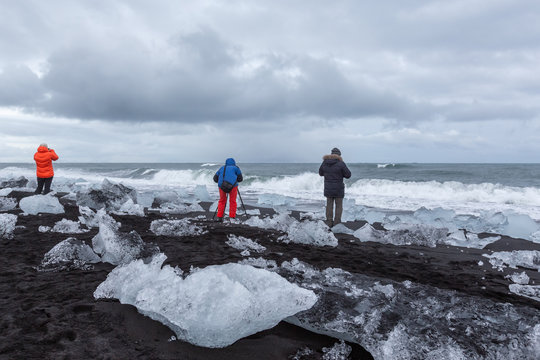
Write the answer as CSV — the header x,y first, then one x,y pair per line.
x,y
225,185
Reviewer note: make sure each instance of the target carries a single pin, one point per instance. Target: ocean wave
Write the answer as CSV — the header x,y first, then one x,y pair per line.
x,y
384,166
308,186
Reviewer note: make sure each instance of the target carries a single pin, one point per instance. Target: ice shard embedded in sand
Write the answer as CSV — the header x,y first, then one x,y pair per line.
x,y
211,307
69,254
116,247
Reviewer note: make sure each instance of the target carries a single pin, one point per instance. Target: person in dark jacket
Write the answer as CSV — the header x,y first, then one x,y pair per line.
x,y
231,174
334,170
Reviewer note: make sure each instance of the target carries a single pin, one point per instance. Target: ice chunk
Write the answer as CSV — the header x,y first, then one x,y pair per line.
x,y
163,197
469,240
530,291
201,193
368,233
146,199
108,195
181,227
7,203
341,229
7,225
405,320
301,354
522,279
130,208
301,232
260,263
116,247
69,254
276,201
6,191
255,212
242,243
211,307
44,229
529,259
41,204
19,182
405,234
340,351
92,219
170,208
519,226
68,227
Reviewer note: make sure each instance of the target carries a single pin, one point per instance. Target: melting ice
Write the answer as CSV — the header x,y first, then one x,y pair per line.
x,y
181,227
117,247
403,320
69,254
211,307
7,225
41,204
302,232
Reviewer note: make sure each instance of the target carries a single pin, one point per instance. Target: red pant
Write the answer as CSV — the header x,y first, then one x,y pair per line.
x,y
223,202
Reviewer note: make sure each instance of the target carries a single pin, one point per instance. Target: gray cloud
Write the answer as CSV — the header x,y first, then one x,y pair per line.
x,y
192,62
125,80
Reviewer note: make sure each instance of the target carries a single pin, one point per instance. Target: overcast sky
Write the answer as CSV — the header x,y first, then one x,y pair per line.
x,y
270,81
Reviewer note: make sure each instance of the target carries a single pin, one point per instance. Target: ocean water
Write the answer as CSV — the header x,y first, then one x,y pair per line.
x,y
464,188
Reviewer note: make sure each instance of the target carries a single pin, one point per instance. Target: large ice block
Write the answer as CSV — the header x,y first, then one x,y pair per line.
x,y
69,254
108,195
211,307
117,247
19,182
302,232
36,204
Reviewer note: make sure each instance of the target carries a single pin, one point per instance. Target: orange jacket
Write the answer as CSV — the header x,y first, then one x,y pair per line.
x,y
43,157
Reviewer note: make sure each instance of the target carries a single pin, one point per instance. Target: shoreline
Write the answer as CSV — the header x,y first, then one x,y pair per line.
x,y
53,314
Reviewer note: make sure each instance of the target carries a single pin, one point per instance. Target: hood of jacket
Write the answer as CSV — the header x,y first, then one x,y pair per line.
x,y
42,149
333,157
230,161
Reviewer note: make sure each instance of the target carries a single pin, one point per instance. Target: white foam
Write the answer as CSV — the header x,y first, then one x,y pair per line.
x,y
211,307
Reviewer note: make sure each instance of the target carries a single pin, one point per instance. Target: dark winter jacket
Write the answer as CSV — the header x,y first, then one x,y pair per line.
x,y
334,170
232,174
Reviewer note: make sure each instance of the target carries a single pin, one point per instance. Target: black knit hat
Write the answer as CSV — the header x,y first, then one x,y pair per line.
x,y
336,151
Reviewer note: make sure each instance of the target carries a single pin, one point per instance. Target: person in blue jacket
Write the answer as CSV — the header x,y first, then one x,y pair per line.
x,y
227,178
334,169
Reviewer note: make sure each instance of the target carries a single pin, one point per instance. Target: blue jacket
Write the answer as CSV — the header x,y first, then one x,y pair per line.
x,y
232,174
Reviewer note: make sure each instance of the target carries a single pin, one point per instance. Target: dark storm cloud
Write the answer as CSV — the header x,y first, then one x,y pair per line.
x,y
200,79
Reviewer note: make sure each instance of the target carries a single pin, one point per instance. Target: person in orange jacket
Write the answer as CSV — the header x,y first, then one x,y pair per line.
x,y
44,169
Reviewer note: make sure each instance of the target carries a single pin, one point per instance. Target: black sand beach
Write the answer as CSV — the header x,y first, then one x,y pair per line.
x,y
53,315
